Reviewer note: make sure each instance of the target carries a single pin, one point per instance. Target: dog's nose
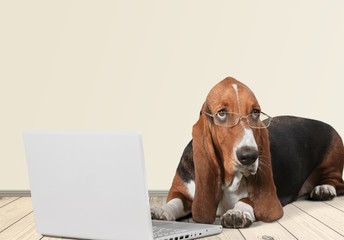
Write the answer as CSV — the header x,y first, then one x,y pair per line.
x,y
247,155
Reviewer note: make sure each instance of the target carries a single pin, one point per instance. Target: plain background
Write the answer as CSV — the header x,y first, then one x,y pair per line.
x,y
148,66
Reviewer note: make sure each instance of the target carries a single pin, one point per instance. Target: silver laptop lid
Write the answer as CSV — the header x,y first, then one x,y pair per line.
x,y
89,184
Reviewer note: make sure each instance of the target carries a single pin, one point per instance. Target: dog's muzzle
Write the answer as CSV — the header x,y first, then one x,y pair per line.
x,y
248,159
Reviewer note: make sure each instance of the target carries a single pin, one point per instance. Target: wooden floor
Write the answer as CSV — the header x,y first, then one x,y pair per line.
x,y
302,220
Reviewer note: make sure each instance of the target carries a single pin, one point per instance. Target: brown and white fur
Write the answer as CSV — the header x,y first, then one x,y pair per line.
x,y
226,172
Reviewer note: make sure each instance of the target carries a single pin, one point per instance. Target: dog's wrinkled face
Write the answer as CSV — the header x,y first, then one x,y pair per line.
x,y
236,146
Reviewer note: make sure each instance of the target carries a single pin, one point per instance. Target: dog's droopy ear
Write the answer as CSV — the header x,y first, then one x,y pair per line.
x,y
207,173
261,186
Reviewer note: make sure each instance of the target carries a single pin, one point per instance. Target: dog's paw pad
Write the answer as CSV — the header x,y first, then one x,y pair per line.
x,y
159,213
236,219
323,193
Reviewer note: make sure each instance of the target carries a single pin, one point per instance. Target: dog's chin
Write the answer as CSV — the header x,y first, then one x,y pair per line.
x,y
248,173
250,170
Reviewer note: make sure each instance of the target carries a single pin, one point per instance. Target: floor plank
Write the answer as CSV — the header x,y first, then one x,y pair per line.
x,y
303,226
326,214
337,202
11,213
227,234
6,200
24,229
262,230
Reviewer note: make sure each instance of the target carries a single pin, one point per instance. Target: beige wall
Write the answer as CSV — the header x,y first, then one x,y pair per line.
x,y
148,65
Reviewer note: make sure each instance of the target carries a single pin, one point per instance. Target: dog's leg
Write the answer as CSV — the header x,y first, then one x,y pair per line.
x,y
178,202
173,210
330,173
241,216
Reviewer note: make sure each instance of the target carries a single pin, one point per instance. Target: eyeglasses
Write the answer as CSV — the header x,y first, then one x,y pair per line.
x,y
230,119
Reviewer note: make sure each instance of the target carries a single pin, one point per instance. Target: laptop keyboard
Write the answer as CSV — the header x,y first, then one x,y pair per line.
x,y
164,232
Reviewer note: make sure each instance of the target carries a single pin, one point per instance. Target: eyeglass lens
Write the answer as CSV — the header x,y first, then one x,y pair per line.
x,y
231,119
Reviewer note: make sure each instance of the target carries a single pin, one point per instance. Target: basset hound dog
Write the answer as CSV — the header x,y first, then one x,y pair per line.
x,y
242,169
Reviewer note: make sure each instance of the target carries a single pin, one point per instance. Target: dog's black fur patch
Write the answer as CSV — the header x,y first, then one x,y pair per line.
x,y
297,146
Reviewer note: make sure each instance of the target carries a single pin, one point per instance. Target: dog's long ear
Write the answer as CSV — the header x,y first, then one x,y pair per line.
x,y
261,186
207,173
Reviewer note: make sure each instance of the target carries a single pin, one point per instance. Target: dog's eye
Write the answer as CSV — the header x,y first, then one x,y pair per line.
x,y
221,115
255,114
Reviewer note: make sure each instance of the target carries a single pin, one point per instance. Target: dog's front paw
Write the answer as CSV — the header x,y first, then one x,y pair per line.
x,y
323,193
241,216
236,219
160,213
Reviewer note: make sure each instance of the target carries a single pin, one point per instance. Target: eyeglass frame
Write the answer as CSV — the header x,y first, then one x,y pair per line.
x,y
240,117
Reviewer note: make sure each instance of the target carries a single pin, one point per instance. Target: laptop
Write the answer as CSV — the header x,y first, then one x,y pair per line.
x,y
92,185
